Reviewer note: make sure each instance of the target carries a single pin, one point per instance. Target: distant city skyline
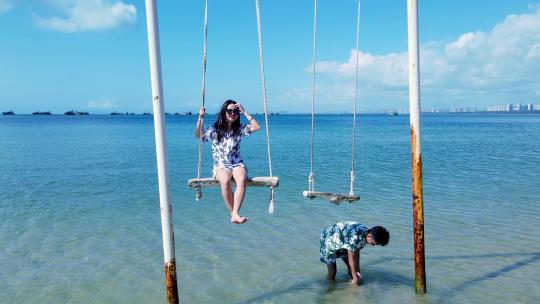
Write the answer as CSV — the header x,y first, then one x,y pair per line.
x,y
508,107
91,55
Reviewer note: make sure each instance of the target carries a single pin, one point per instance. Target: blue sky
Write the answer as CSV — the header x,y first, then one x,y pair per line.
x,y
92,55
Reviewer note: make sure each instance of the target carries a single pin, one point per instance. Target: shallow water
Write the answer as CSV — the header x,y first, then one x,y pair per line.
x,y
79,211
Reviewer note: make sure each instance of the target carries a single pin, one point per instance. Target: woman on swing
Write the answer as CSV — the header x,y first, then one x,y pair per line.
x,y
226,134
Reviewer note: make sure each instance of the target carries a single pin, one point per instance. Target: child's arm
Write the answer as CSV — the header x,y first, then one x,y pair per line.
x,y
354,266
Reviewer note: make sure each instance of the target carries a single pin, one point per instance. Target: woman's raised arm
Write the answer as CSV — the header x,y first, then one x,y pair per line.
x,y
254,124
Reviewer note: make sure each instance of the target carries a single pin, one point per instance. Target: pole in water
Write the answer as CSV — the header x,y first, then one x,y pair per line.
x,y
161,153
416,148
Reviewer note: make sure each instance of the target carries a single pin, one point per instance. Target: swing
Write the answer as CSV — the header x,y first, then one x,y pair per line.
x,y
263,181
260,181
334,198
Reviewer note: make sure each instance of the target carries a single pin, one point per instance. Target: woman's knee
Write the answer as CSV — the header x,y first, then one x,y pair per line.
x,y
223,176
240,182
225,183
240,176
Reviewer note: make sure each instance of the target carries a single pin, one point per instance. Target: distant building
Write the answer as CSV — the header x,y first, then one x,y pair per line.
x,y
430,110
500,108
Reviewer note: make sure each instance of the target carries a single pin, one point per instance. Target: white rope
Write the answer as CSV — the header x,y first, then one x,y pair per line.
x,y
263,81
351,192
311,178
198,195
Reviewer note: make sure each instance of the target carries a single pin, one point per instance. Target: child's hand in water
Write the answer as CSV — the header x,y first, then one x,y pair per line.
x,y
358,280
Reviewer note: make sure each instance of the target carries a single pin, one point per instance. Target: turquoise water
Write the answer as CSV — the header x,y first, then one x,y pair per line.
x,y
80,221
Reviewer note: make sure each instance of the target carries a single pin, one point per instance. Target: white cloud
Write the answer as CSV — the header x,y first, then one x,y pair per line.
x,y
102,104
5,6
478,68
88,15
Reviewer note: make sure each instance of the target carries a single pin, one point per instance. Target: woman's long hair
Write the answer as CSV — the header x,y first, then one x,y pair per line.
x,y
221,121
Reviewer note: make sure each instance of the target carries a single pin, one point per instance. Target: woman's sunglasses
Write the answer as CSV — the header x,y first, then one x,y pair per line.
x,y
233,111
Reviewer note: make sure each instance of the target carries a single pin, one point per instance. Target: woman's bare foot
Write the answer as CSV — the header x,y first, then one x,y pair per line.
x,y
238,219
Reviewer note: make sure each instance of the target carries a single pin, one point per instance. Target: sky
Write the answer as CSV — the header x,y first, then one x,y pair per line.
x,y
92,55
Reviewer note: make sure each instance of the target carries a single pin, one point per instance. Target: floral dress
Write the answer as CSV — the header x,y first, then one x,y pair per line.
x,y
341,237
226,153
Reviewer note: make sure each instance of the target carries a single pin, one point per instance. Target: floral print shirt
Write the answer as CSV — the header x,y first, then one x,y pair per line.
x,y
226,153
341,237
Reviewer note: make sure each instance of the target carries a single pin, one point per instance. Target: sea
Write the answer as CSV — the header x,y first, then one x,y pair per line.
x,y
80,216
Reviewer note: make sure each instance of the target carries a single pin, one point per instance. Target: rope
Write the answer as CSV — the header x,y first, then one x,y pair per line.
x,y
351,192
311,178
198,195
263,81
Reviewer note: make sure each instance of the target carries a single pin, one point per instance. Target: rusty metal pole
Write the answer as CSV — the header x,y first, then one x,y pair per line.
x,y
161,152
416,148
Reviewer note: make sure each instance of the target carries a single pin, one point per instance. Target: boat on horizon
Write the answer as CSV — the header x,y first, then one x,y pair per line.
x,y
188,113
41,113
70,113
8,113
393,113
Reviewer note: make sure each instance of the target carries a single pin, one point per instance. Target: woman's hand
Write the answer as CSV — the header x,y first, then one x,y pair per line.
x,y
240,107
199,123
201,112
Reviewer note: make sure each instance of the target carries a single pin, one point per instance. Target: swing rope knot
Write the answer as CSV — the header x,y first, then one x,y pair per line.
x,y
311,181
271,206
198,195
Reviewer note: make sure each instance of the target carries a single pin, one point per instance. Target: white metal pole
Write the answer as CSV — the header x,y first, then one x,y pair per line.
x,y
161,152
416,148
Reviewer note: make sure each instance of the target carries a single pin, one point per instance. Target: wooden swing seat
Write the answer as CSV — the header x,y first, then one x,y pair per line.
x,y
259,181
331,197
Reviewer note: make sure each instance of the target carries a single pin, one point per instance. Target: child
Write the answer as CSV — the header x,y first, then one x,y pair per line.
x,y
344,240
226,134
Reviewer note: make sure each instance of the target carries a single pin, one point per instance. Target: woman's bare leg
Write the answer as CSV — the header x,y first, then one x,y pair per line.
x,y
239,175
224,176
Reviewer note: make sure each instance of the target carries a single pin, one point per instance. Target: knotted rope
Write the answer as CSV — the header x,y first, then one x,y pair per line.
x,y
198,195
263,81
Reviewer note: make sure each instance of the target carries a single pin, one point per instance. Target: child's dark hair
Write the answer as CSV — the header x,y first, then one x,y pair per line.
x,y
380,234
221,121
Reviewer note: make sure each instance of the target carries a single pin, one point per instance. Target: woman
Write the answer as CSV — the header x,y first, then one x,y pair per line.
x,y
226,134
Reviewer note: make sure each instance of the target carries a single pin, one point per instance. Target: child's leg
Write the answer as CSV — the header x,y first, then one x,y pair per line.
x,y
346,261
239,175
224,176
332,270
